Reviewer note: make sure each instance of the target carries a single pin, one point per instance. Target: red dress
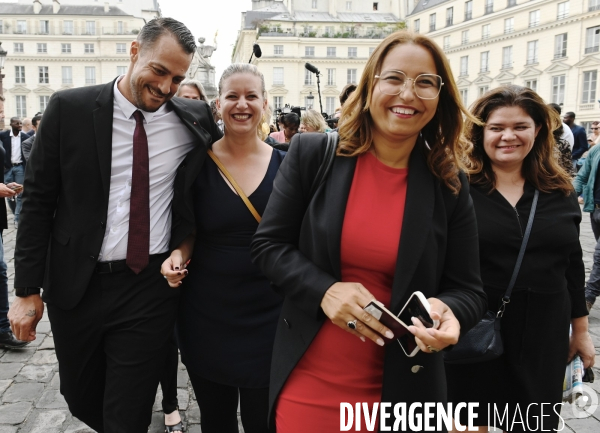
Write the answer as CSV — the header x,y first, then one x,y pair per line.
x,y
338,367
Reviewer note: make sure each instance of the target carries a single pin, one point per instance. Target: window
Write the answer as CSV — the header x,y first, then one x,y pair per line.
x,y
44,103
330,104
43,75
592,40
65,48
590,78
560,46
90,75
449,16
21,26
507,57
532,52
20,74
18,47
371,49
314,4
351,76
352,51
348,6
120,28
309,51
485,61
278,50
558,89
485,31
532,84
307,77
67,27
278,76
44,27
67,75
534,18
509,25
563,10
446,42
594,5
432,22
511,3
468,10
121,48
90,27
121,70
1,26
464,37
375,6
464,96
417,26
21,104
277,102
489,6
331,77
329,30
331,52
483,90
42,48
88,48
309,101
464,65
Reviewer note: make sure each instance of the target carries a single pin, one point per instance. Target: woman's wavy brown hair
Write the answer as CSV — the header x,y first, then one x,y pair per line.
x,y
540,167
443,133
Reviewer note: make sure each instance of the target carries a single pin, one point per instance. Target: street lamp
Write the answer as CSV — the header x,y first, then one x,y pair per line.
x,y
2,59
310,99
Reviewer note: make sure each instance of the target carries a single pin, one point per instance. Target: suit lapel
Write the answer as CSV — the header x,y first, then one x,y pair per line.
x,y
103,117
336,199
416,225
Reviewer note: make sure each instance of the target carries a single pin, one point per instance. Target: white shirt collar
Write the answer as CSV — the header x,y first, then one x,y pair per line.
x,y
128,108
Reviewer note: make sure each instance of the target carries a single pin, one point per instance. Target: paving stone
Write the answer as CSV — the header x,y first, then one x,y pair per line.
x,y
48,421
14,414
584,425
51,399
48,343
43,327
55,383
39,339
77,426
183,398
193,413
19,392
36,373
158,423
10,369
194,429
43,357
3,385
182,379
18,355
8,429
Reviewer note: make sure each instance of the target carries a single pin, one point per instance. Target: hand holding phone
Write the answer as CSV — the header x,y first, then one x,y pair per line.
x,y
434,340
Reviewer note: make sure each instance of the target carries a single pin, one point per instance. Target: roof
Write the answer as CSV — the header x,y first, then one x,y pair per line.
x,y
21,9
426,4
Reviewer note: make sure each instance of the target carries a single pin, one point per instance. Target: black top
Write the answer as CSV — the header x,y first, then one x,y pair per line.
x,y
228,310
548,293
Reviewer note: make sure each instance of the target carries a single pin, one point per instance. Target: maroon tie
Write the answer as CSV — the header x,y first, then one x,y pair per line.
x,y
138,242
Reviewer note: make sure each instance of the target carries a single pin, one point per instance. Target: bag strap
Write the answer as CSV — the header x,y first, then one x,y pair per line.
x,y
513,279
330,149
235,185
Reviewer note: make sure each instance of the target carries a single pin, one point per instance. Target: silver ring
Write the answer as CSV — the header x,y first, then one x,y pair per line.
x,y
351,324
432,349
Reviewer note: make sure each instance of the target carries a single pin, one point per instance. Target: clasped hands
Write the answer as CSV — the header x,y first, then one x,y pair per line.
x,y
344,302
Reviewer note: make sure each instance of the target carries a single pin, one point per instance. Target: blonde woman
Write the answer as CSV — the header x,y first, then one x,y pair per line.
x,y
312,121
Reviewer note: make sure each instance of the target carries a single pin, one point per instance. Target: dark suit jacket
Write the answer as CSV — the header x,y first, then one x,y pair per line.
x,y
5,136
26,147
3,218
297,246
67,185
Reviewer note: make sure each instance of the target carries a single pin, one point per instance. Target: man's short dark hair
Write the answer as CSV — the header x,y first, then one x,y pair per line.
x,y
555,107
158,27
291,119
346,92
570,114
36,119
12,119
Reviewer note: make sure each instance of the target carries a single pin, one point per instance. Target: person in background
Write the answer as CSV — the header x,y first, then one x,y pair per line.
x,y
513,156
595,132
216,115
313,121
290,123
27,145
567,134
14,162
191,89
346,92
579,136
27,128
224,292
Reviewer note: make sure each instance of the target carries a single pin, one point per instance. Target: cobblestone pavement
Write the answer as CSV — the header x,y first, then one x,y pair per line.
x,y
29,381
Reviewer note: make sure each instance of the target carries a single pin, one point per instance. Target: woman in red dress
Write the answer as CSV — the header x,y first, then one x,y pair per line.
x,y
393,216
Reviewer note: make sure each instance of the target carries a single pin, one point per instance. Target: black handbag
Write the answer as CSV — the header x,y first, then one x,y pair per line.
x,y
484,341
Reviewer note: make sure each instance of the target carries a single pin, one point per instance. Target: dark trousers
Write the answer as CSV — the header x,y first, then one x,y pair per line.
x,y
4,325
168,378
111,348
218,406
595,221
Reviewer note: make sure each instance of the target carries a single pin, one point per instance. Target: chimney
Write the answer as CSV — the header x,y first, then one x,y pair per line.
x,y
55,6
37,6
106,7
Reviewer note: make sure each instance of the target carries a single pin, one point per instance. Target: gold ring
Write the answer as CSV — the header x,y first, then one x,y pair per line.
x,y
432,349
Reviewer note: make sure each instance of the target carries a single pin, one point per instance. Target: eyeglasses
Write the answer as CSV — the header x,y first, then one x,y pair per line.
x,y
593,129
425,86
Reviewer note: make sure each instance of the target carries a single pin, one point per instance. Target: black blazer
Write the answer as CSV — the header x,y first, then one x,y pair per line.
x,y
297,246
3,217
66,190
5,136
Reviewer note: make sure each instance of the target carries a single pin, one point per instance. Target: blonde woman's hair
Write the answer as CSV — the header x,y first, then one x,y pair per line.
x,y
247,68
314,119
195,84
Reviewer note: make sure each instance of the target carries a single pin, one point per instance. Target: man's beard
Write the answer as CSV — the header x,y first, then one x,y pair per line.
x,y
136,94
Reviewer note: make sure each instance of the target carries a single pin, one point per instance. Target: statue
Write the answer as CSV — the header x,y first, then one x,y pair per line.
x,y
201,69
206,51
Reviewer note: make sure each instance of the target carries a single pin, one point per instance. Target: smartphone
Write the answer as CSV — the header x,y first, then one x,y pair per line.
x,y
400,330
418,306
16,187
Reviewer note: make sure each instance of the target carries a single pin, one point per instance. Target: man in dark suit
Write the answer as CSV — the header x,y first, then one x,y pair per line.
x,y
14,161
108,164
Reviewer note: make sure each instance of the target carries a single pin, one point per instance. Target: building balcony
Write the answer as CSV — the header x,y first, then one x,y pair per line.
x,y
583,107
468,16
449,22
488,9
595,49
559,56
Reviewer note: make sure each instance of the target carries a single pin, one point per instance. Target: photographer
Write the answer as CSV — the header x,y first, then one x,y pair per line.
x,y
291,123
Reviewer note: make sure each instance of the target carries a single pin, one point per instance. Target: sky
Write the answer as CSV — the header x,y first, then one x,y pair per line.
x,y
205,17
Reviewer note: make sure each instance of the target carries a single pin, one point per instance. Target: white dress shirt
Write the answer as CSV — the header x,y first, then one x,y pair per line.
x,y
15,148
568,135
169,141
